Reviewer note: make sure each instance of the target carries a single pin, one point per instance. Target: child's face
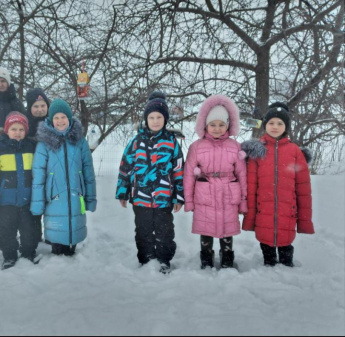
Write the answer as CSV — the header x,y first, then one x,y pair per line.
x,y
60,122
275,127
39,109
16,131
3,85
217,129
155,121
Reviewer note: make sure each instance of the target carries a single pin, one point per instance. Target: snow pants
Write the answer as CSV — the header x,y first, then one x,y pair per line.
x,y
154,234
12,220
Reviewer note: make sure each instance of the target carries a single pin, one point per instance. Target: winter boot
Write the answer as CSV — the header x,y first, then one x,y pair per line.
x,y
286,255
207,258
227,258
57,249
69,250
270,255
8,264
34,258
165,268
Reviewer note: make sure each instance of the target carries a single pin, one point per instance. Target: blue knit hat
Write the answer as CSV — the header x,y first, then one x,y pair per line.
x,y
59,106
157,103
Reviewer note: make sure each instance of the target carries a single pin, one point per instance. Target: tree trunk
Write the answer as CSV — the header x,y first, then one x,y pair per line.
x,y
84,117
262,87
22,51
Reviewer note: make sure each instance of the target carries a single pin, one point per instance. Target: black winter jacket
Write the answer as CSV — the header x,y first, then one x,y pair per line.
x,y
9,102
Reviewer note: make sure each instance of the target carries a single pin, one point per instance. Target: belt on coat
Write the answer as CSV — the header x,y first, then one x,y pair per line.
x,y
218,174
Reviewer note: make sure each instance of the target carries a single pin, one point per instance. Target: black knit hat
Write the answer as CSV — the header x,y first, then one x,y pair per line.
x,y
157,103
34,95
277,110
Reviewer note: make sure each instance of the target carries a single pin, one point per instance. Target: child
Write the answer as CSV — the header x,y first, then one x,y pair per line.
x,y
215,179
16,154
279,189
151,177
64,186
8,97
37,109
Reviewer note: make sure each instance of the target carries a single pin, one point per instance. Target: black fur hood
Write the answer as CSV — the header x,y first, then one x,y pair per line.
x,y
255,149
54,140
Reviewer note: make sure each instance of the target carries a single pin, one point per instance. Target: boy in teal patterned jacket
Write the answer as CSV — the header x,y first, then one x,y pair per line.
x,y
151,178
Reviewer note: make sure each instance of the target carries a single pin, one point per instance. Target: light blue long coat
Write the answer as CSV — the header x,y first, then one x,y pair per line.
x,y
64,185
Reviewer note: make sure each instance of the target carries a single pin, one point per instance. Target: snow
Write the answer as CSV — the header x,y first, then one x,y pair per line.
x,y
103,291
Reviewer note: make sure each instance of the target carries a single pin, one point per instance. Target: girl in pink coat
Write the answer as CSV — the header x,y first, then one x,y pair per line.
x,y
215,179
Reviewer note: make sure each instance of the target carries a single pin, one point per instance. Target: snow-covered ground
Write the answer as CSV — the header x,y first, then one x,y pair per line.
x,y
103,291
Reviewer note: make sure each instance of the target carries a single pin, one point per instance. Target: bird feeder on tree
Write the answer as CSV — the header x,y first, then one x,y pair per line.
x,y
83,83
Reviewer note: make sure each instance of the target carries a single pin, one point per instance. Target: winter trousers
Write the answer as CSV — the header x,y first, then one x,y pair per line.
x,y
270,255
155,234
14,219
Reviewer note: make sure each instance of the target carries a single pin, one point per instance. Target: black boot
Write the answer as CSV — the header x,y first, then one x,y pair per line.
x,y
270,255
165,268
33,257
286,255
227,258
207,258
7,264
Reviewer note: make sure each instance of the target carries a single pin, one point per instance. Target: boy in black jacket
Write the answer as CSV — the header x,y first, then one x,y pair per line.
x,y
16,156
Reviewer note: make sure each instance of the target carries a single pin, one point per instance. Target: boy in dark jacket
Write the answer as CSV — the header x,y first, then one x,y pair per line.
x,y
151,177
8,97
16,156
36,109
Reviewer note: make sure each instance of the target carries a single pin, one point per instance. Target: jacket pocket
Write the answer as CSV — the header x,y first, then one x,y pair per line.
x,y
202,193
235,193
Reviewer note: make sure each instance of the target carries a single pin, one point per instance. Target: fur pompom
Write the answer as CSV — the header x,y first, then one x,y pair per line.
x,y
242,155
308,154
197,171
254,149
279,105
157,94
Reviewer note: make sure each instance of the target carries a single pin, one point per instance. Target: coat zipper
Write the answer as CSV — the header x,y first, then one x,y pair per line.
x,y
69,195
276,195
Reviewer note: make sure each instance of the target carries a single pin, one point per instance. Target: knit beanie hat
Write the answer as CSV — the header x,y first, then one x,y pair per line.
x,y
16,117
34,95
4,73
218,113
157,103
277,110
59,106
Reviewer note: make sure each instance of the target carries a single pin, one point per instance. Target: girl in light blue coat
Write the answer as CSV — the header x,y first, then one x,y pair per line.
x,y
64,185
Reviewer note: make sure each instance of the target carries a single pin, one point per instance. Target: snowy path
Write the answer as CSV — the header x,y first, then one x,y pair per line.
x,y
102,290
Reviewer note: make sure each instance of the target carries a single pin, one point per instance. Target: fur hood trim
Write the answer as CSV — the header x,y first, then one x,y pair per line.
x,y
254,148
208,105
54,140
308,154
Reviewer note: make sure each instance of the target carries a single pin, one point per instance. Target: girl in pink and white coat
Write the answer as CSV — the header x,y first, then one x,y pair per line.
x,y
215,179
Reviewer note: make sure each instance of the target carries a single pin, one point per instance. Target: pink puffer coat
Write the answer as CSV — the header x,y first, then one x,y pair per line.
x,y
216,200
